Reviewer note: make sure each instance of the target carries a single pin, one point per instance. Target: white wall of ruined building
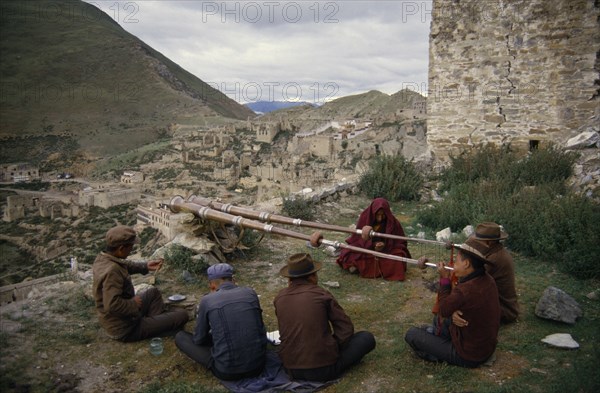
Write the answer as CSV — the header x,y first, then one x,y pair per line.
x,y
510,71
167,223
132,177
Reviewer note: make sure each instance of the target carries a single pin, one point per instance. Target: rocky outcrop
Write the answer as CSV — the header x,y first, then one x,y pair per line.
x,y
557,305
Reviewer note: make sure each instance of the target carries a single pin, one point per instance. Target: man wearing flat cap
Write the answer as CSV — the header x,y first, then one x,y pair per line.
x,y
318,342
476,296
230,336
125,315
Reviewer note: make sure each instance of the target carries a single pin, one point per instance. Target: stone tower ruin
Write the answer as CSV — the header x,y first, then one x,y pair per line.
x,y
524,72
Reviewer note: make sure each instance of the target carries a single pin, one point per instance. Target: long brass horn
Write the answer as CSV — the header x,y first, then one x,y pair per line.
x,y
178,204
270,217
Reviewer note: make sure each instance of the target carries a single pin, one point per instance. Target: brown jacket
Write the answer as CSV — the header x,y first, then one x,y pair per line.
x,y
113,293
306,314
502,270
477,297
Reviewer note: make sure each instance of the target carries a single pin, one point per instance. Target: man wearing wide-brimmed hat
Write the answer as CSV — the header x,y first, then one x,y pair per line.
x,y
476,296
125,315
318,342
501,267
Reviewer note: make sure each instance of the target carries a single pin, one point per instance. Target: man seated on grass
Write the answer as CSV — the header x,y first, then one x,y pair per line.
x,y
476,296
318,342
230,337
125,315
501,268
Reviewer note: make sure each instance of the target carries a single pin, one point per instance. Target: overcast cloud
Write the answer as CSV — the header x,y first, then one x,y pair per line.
x,y
287,50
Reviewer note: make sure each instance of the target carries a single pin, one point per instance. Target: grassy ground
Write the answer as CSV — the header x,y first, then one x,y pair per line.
x,y
53,343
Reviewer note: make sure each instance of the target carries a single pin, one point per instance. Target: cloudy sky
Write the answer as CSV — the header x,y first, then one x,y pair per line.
x,y
287,50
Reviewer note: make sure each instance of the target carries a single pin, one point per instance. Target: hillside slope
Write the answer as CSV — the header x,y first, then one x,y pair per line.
x,y
373,105
72,74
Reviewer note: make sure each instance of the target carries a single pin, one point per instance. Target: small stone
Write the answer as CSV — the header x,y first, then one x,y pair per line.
x,y
538,370
443,235
186,276
468,230
333,251
592,295
561,340
332,284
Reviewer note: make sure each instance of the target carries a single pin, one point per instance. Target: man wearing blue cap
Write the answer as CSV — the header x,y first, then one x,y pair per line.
x,y
230,337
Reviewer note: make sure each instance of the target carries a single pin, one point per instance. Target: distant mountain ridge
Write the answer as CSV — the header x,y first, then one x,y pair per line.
x,y
270,106
373,105
80,79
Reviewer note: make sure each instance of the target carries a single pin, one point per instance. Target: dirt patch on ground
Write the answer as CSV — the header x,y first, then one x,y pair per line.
x,y
506,367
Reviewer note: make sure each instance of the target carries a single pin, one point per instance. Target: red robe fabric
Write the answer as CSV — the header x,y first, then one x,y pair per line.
x,y
369,266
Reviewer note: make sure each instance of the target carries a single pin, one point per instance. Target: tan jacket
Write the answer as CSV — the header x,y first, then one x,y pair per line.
x,y
113,293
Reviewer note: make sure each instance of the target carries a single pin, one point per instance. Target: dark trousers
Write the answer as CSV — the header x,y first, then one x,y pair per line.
x,y
155,320
360,344
435,348
203,355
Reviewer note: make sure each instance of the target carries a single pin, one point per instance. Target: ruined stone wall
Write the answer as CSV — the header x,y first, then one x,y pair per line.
x,y
117,197
19,172
268,171
16,205
511,71
321,146
266,132
105,198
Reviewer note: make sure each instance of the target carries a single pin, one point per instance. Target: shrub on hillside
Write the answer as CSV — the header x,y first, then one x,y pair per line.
x,y
546,166
298,207
391,177
528,196
511,170
465,203
488,161
180,257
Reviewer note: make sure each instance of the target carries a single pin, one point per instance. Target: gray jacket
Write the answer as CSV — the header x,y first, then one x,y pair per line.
x,y
230,320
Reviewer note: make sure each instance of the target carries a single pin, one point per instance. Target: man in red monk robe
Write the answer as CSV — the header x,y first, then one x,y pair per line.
x,y
379,218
